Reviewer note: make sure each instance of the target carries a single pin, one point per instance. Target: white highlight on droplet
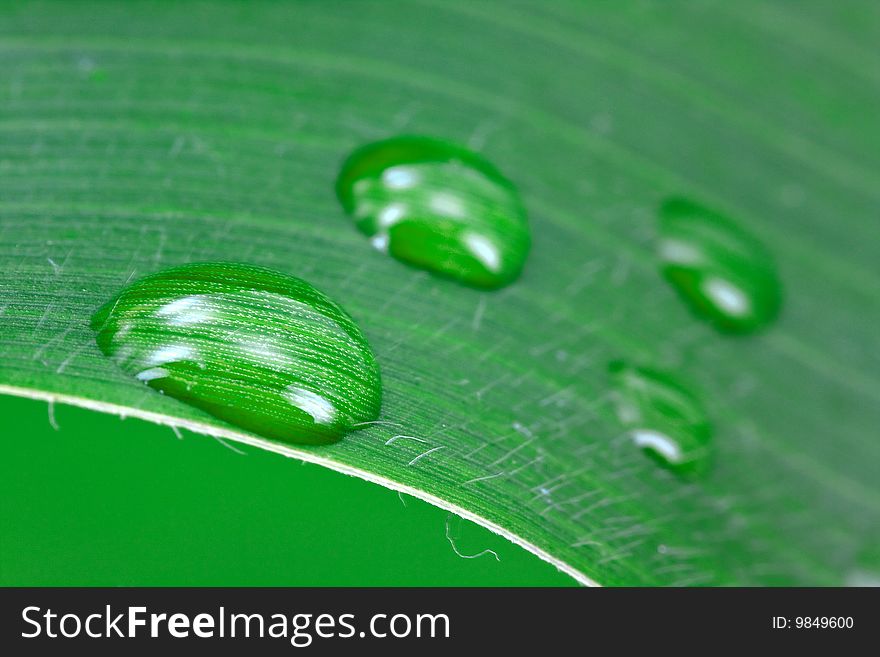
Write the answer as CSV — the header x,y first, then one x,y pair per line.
x,y
484,251
152,373
679,252
627,413
399,178
170,354
265,350
380,243
391,214
727,297
447,204
321,410
660,443
186,311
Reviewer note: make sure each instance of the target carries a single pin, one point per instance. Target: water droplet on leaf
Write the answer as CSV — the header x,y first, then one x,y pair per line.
x,y
662,417
722,272
439,207
259,349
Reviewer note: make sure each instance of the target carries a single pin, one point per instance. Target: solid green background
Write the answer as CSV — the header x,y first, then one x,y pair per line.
x,y
105,501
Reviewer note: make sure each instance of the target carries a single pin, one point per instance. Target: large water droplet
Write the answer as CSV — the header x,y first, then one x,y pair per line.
x,y
439,207
262,350
662,417
722,272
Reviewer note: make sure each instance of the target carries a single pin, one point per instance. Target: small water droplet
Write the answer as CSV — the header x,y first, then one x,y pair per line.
x,y
437,206
722,272
257,348
662,417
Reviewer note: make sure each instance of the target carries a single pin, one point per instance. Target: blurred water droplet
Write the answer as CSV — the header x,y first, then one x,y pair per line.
x,y
437,206
662,417
724,274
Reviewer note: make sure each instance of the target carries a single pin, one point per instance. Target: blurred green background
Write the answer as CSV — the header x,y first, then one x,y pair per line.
x,y
105,501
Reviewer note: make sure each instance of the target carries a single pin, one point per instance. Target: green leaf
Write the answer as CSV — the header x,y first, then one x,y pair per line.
x,y
141,136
